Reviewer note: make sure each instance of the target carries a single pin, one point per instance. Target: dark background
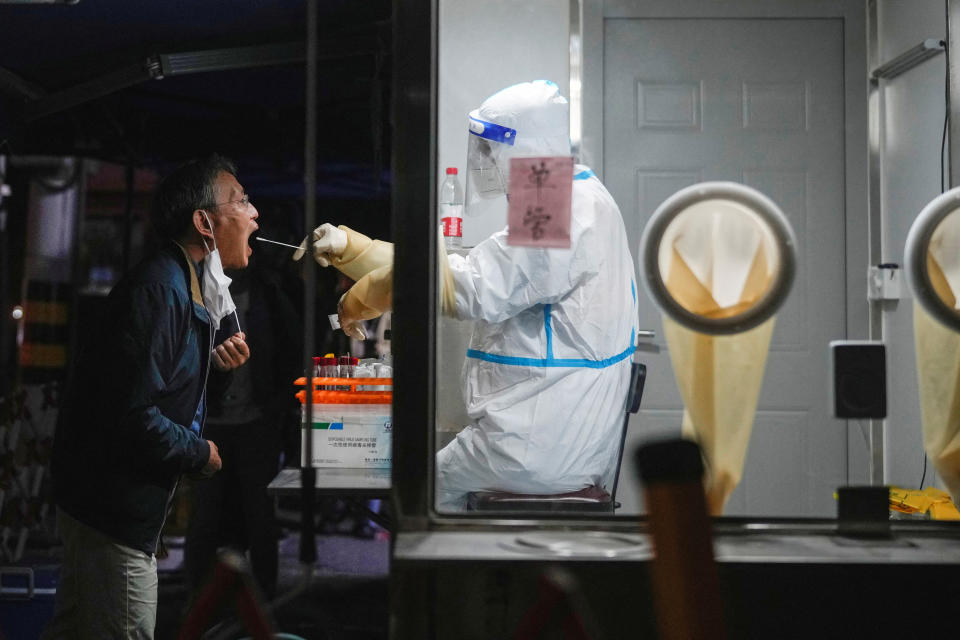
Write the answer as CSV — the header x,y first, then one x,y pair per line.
x,y
86,65
254,115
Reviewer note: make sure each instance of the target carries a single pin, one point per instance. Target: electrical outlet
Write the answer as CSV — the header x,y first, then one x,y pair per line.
x,y
883,282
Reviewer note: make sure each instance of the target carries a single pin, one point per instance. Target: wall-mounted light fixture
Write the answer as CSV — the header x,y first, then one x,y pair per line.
x,y
909,59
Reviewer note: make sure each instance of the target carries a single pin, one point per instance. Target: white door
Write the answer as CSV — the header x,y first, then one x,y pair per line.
x,y
757,101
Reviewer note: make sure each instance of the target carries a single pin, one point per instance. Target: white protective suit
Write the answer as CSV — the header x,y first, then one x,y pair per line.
x,y
545,378
546,375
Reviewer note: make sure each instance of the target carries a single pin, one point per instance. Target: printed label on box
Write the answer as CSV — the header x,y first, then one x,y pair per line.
x,y
351,443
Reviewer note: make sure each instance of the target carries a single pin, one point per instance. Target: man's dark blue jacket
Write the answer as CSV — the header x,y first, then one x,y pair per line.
x,y
124,431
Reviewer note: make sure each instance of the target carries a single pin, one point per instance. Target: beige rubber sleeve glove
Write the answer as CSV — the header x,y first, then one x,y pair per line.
x,y
373,294
367,299
351,252
362,255
938,369
448,300
326,240
370,263
719,376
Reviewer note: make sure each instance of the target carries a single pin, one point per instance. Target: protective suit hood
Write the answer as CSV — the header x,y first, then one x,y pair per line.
x,y
526,119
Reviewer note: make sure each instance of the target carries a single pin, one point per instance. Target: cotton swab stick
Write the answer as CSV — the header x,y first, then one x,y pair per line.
x,y
282,244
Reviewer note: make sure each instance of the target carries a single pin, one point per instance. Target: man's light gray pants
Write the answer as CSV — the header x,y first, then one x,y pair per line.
x,y
106,591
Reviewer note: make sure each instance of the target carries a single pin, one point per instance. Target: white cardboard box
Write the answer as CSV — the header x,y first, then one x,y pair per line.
x,y
350,436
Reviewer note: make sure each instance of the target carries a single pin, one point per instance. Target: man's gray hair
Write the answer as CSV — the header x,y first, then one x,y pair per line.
x,y
188,188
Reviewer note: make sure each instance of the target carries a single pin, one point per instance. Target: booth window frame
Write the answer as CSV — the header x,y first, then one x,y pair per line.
x,y
415,172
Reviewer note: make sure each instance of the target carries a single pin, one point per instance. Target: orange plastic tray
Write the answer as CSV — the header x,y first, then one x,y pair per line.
x,y
347,392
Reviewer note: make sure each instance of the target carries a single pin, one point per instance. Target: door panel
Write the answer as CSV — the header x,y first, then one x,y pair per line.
x,y
760,102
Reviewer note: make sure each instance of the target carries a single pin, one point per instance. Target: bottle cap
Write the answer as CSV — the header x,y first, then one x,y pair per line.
x,y
451,171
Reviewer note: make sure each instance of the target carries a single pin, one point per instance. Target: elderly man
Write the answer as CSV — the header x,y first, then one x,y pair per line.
x,y
132,418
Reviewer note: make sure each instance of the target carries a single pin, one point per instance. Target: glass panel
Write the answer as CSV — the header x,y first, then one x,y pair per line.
x,y
535,345
534,352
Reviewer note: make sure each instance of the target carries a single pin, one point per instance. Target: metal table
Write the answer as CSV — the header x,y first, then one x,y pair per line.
x,y
359,483
353,485
439,548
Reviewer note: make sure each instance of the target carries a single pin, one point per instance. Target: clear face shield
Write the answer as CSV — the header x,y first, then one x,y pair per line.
x,y
488,167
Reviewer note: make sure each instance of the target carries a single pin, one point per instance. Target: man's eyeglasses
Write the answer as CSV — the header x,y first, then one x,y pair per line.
x,y
244,202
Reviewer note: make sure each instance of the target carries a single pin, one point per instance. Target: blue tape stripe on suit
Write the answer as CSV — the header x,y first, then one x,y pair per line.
x,y
552,362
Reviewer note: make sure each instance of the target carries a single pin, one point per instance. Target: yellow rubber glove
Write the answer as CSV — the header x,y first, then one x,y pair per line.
x,y
365,300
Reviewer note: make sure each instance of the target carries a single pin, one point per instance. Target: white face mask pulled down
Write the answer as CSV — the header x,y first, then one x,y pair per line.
x,y
216,285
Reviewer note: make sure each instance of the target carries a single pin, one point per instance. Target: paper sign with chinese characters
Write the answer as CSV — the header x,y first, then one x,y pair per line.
x,y
539,210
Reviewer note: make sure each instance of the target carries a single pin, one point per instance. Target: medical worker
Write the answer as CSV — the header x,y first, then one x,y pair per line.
x,y
546,373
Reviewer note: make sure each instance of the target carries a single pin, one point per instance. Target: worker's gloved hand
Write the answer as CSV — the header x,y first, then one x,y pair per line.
x,y
231,353
353,327
367,299
329,242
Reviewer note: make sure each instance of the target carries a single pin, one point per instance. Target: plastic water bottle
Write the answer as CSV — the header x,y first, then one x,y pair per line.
x,y
451,210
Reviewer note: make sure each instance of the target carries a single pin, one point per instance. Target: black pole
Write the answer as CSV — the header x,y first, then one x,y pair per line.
x,y
308,475
413,206
686,584
5,307
127,216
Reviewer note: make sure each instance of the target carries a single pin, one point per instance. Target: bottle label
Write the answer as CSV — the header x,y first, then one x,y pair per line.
x,y
452,219
452,227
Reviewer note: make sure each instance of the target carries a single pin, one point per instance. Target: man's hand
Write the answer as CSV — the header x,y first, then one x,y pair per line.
x,y
231,353
213,462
